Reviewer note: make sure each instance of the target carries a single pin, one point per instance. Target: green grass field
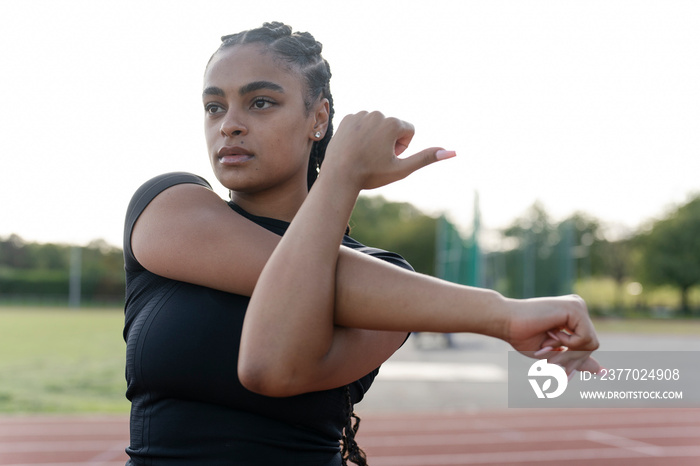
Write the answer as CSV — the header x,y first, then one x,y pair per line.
x,y
601,293
57,360
62,360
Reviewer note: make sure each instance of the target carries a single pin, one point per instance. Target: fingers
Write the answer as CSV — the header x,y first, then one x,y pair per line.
x,y
422,159
367,147
582,365
570,361
572,340
552,342
578,333
404,135
378,129
590,365
582,337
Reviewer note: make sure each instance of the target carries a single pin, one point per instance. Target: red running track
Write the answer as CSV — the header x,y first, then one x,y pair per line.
x,y
639,437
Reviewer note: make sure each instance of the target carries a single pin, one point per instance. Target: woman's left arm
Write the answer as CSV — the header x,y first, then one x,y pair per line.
x,y
290,342
300,338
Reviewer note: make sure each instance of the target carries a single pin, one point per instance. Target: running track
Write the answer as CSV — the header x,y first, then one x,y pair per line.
x,y
640,437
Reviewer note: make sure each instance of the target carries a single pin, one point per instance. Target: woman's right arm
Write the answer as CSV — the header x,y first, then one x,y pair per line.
x,y
188,233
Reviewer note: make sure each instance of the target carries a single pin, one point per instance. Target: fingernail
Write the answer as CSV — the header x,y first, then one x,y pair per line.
x,y
551,334
571,376
445,154
543,350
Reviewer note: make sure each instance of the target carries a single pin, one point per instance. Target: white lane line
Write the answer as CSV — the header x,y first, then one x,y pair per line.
x,y
117,451
624,443
539,456
65,430
442,372
59,446
530,437
600,419
71,463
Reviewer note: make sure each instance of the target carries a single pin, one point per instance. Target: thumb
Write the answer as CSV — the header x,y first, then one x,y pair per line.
x,y
424,158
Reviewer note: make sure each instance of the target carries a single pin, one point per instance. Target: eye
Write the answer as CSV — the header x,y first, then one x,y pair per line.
x,y
213,108
261,103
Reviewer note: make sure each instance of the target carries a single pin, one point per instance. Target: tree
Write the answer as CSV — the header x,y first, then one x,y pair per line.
x,y
532,266
40,271
397,227
547,257
615,258
670,251
13,252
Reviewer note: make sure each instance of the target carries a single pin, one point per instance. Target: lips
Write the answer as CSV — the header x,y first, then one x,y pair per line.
x,y
233,155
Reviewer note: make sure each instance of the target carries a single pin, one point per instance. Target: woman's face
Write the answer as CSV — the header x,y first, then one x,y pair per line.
x,y
258,130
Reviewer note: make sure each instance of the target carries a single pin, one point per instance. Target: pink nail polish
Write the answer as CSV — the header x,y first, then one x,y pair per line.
x,y
571,376
551,334
542,351
445,154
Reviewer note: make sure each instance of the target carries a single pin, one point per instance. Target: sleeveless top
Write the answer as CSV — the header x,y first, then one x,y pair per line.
x,y
187,405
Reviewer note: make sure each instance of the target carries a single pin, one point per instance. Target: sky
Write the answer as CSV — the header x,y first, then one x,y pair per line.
x,y
583,106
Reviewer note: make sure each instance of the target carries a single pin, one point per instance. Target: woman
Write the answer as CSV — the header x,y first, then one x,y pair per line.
x,y
216,377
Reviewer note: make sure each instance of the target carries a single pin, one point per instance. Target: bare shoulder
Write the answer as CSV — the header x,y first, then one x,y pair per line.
x,y
189,233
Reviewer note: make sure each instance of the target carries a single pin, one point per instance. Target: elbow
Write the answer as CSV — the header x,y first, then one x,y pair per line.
x,y
266,380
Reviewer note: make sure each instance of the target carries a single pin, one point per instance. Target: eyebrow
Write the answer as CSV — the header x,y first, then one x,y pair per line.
x,y
257,85
213,91
250,87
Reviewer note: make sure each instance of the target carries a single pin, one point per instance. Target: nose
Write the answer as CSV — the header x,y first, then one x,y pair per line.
x,y
233,126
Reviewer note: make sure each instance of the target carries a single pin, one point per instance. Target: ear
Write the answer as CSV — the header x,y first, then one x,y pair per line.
x,y
321,119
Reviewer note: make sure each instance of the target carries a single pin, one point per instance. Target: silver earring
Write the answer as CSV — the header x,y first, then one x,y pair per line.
x,y
318,134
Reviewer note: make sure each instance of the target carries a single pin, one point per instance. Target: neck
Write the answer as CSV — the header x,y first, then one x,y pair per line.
x,y
266,205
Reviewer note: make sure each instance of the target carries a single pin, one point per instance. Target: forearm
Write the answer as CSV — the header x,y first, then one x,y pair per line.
x,y
373,294
290,318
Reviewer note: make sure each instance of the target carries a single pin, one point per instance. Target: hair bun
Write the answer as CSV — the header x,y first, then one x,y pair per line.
x,y
313,47
278,29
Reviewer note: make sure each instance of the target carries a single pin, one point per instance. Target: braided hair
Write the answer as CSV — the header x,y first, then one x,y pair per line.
x,y
349,450
301,51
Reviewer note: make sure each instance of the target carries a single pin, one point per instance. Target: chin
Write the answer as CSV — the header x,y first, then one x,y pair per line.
x,y
240,185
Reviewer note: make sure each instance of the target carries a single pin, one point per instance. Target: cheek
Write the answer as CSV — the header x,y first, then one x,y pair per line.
x,y
209,135
300,135
292,138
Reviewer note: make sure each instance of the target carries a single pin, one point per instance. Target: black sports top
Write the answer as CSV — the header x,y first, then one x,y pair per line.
x,y
187,404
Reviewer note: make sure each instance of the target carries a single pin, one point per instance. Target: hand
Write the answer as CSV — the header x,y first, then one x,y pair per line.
x,y
558,329
366,147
